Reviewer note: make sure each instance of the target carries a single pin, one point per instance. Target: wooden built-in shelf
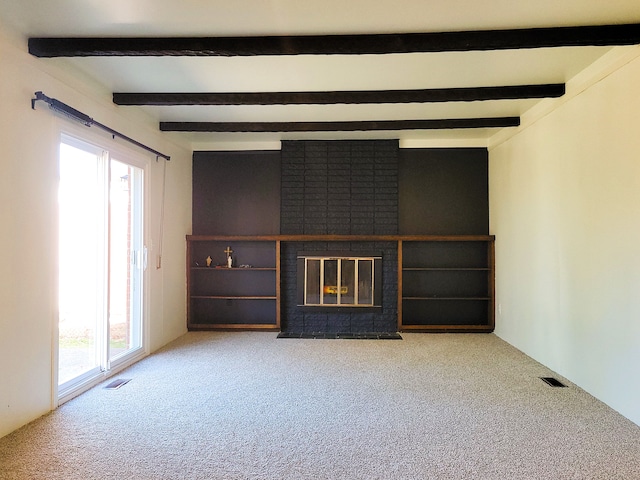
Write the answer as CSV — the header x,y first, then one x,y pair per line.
x,y
446,285
445,282
235,269
220,297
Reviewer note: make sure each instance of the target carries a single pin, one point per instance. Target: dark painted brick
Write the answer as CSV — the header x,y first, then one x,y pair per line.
x,y
314,230
385,324
361,324
385,216
339,324
362,158
369,208
386,196
319,184
363,188
339,227
291,216
292,203
292,167
336,168
288,195
386,209
334,214
315,208
312,156
362,229
361,217
292,191
339,199
294,181
385,203
290,326
315,197
361,201
314,324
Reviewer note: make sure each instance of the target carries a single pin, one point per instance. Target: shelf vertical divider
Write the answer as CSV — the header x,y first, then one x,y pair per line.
x,y
188,270
491,282
399,285
278,294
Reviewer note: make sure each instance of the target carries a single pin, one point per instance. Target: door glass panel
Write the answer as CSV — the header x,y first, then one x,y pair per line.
x,y
126,259
330,288
81,262
347,283
313,282
365,282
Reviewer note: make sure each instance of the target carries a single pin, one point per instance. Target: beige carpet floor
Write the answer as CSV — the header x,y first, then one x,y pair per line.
x,y
249,406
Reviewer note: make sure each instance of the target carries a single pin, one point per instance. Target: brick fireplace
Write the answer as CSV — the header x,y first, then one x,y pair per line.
x,y
339,188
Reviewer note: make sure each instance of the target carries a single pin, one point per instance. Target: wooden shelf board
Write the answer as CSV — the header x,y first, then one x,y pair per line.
x,y
234,326
447,298
236,269
240,297
448,328
342,238
444,269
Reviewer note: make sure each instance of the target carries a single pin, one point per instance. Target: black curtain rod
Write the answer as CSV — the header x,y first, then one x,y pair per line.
x,y
77,115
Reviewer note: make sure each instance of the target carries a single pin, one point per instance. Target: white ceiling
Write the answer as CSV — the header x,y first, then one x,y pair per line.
x,y
68,18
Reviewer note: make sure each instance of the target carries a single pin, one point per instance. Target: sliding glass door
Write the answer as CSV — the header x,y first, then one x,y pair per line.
x,y
102,260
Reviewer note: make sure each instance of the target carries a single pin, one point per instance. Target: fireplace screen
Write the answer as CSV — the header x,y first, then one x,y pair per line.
x,y
338,281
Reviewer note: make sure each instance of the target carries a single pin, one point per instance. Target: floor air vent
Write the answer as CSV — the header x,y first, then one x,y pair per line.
x,y
554,382
117,383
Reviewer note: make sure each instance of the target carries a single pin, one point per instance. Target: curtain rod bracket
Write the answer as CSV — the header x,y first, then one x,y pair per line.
x,y
78,116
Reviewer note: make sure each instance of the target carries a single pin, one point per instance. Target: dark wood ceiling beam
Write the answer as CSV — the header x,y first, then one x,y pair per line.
x,y
350,126
346,97
600,35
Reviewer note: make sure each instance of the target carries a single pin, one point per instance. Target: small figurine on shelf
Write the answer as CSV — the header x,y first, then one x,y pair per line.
x,y
228,251
208,260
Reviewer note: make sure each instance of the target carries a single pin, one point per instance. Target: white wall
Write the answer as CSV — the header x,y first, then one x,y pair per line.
x,y
565,209
28,222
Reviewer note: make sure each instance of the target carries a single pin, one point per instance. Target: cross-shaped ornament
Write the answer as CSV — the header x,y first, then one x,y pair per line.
x,y
228,251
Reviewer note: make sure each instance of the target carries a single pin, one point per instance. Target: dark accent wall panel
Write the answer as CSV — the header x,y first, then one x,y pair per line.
x,y
236,193
345,187
443,191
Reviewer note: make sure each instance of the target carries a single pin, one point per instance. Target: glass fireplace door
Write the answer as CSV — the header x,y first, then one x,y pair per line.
x,y
341,281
